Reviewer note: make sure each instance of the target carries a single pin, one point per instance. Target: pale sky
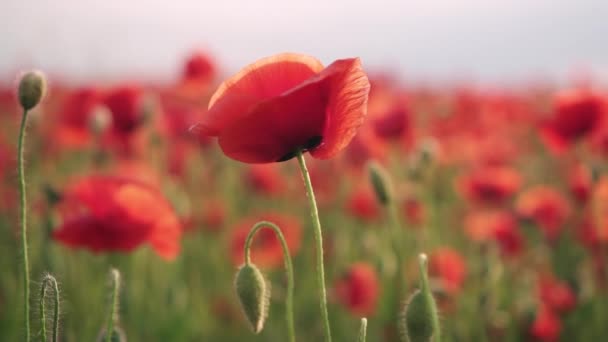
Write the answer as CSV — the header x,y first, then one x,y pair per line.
x,y
434,40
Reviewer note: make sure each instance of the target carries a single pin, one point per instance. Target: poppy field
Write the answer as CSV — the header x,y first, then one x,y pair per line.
x,y
299,200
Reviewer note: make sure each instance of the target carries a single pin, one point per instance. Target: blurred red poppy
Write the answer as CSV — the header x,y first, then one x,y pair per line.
x,y
199,67
414,212
580,180
362,204
576,114
285,103
546,326
490,184
556,294
125,104
544,205
498,225
265,180
358,289
74,115
449,266
106,213
266,250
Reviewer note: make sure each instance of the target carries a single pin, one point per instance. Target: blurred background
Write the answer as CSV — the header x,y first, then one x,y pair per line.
x,y
491,118
485,41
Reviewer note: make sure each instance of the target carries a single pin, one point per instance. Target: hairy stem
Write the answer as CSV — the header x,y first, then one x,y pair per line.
x,y
288,268
23,218
363,330
314,212
113,317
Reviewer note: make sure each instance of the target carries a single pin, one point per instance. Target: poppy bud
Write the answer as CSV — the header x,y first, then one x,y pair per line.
x,y
254,295
32,88
419,320
381,183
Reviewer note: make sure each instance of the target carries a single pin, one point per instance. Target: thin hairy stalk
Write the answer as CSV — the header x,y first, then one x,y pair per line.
x,y
23,217
363,330
288,268
113,317
314,212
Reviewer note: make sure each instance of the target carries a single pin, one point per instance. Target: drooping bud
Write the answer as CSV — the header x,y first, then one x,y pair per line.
x,y
419,320
380,182
49,283
32,88
253,292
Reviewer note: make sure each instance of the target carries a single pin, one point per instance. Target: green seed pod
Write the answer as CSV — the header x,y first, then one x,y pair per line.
x,y
419,319
381,183
32,88
254,295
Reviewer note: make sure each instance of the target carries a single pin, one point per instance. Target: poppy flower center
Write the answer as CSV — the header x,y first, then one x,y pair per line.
x,y
309,145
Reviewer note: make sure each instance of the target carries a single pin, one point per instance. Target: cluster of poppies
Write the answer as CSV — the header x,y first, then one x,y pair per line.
x,y
505,189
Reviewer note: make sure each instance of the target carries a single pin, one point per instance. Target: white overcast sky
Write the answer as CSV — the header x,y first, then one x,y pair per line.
x,y
436,40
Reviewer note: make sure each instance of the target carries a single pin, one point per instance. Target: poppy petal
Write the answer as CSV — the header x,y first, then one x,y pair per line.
x,y
267,78
347,107
276,128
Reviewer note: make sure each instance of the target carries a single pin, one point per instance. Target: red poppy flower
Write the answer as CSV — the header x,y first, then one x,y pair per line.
x,y
74,117
266,250
265,179
359,289
581,181
199,67
363,204
599,208
509,239
214,215
556,294
394,124
104,213
414,211
364,147
285,103
546,326
125,105
548,208
481,225
7,159
576,114
449,266
493,184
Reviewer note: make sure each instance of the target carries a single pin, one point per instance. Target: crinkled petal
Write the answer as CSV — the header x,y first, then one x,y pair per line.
x,y
266,78
346,108
275,129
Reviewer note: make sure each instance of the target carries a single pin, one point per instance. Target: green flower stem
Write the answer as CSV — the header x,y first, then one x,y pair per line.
x,y
23,218
113,317
288,268
426,291
363,330
314,212
49,281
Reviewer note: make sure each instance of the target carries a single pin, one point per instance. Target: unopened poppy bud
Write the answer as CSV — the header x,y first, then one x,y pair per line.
x,y
381,183
419,319
32,88
118,335
254,295
100,120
